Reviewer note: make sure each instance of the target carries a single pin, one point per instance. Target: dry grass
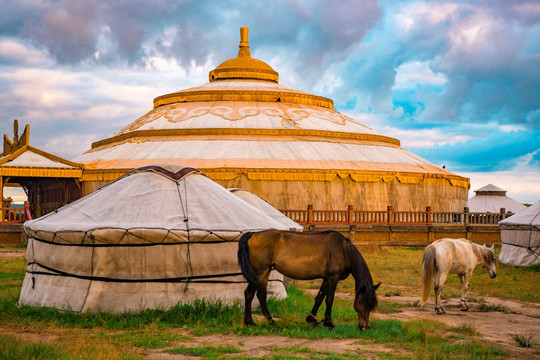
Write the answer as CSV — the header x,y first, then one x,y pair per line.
x,y
400,271
524,340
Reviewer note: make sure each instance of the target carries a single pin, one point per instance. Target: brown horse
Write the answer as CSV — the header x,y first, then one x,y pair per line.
x,y
456,256
326,255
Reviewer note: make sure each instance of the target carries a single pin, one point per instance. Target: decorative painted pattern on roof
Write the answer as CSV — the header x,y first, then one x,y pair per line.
x,y
251,115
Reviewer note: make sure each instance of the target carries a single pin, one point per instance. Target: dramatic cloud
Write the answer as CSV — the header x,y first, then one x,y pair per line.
x,y
456,81
496,152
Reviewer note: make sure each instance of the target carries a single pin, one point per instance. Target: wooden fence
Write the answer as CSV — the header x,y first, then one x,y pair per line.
x,y
309,216
15,215
350,216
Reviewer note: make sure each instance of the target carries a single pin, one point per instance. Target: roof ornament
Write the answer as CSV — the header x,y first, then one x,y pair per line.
x,y
15,131
244,44
18,142
243,67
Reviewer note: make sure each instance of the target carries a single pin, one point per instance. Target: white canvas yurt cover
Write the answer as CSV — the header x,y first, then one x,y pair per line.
x,y
520,237
266,208
158,236
491,198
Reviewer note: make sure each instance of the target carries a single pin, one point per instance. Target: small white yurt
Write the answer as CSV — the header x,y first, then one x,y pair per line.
x,y
491,198
520,237
266,208
158,236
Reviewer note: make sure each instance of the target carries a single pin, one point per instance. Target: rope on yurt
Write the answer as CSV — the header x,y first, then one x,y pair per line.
x,y
224,239
529,248
189,267
91,273
34,258
89,241
194,279
183,279
88,238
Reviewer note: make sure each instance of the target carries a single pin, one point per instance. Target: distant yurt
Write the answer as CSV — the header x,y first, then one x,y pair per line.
x,y
158,236
520,237
491,198
265,207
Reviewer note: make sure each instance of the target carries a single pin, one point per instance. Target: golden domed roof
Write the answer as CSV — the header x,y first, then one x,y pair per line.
x,y
244,122
244,66
243,79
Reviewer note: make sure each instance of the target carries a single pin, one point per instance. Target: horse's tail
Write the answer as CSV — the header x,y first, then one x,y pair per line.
x,y
428,271
243,260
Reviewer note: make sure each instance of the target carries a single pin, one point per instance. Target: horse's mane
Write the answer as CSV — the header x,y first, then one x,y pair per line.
x,y
484,253
362,274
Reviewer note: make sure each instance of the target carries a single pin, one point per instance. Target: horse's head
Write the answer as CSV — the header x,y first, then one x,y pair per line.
x,y
490,261
365,302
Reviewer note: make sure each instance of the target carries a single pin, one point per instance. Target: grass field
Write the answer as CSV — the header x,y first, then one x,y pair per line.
x,y
38,333
399,270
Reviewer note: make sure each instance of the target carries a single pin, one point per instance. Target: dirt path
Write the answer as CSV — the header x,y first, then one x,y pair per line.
x,y
493,327
519,317
11,254
268,346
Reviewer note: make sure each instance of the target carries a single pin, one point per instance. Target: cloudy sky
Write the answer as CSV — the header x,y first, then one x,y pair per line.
x,y
458,82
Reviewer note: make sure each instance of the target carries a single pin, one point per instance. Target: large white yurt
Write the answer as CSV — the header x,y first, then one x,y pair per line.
x,y
520,237
491,198
158,236
244,129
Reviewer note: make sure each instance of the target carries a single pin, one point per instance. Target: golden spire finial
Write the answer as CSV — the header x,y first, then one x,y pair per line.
x,y
244,44
243,66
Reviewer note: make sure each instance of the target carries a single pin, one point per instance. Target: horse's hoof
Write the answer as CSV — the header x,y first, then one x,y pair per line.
x,y
311,319
249,323
464,308
329,324
440,311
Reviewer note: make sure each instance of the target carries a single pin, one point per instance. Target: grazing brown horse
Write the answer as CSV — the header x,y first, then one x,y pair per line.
x,y
326,255
456,256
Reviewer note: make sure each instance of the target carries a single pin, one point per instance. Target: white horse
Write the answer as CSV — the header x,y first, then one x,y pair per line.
x,y
456,256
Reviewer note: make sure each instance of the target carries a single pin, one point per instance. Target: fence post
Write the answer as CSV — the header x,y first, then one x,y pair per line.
x,y
428,215
309,214
350,214
466,216
503,211
390,217
27,215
